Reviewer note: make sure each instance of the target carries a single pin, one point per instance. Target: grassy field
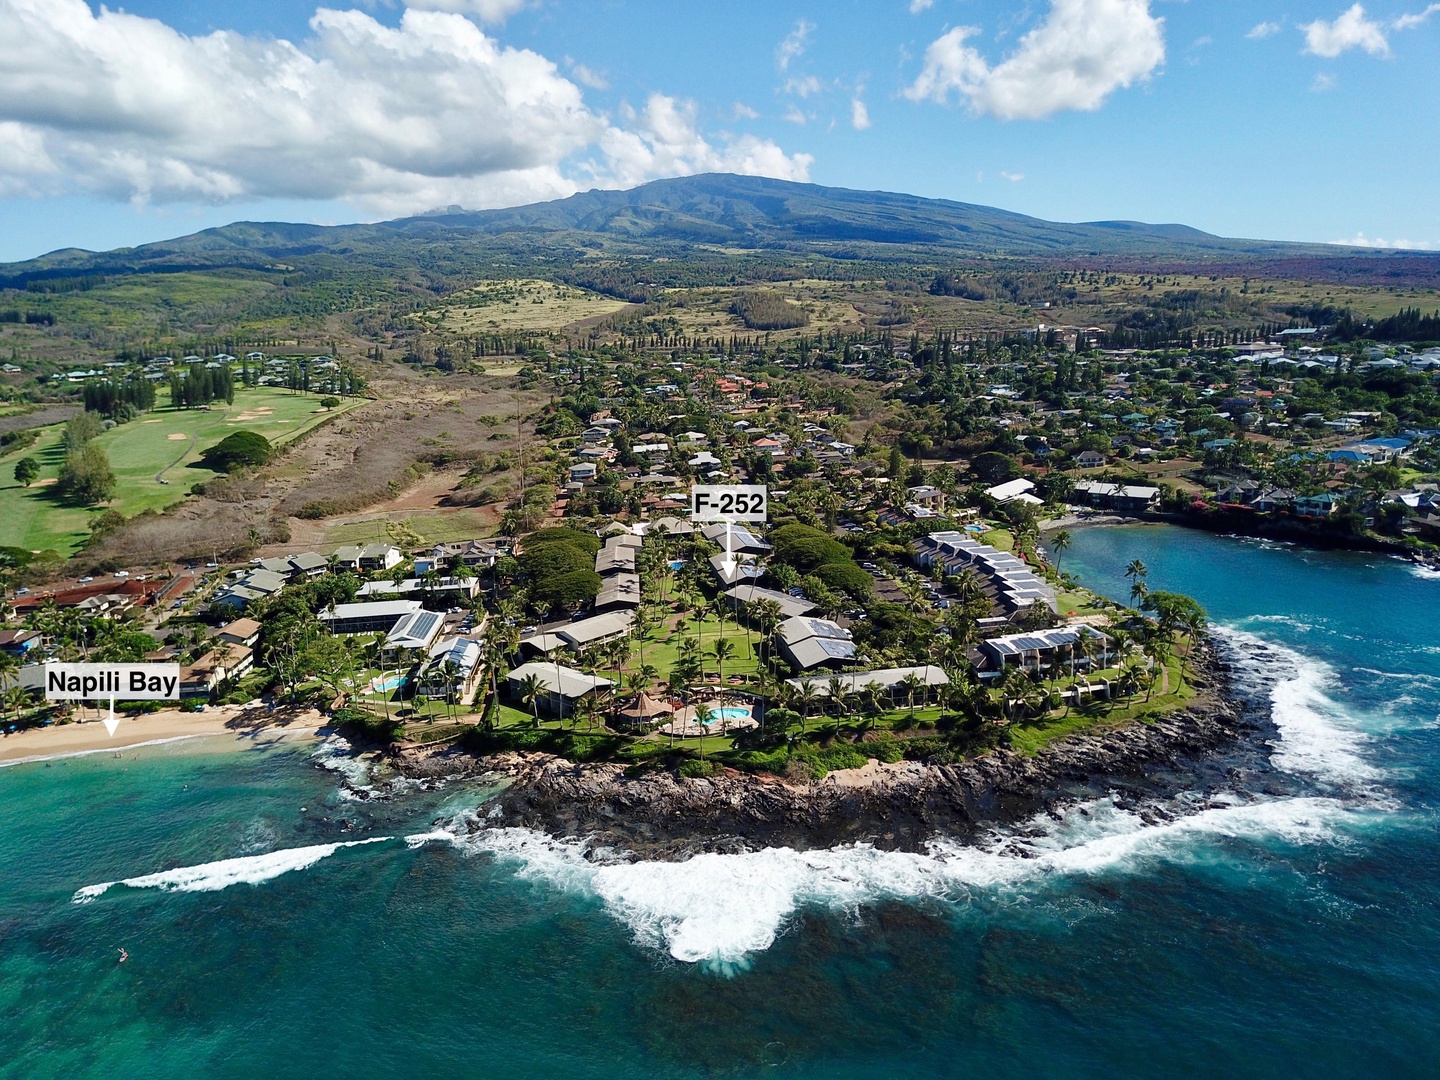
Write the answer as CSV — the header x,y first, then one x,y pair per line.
x,y
164,443
436,528
494,306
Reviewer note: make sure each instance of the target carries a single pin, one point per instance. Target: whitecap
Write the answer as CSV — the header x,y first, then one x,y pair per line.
x,y
721,909
1317,736
214,876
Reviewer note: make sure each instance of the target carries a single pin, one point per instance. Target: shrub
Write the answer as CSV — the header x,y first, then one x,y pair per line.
x,y
330,403
26,471
238,450
698,770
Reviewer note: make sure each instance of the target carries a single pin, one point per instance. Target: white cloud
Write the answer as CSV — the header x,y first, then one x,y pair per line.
x,y
744,112
1352,30
668,144
859,115
1083,51
805,86
917,6
1322,82
394,119
794,45
1264,30
490,11
1014,178
588,76
1360,240
794,115
1409,22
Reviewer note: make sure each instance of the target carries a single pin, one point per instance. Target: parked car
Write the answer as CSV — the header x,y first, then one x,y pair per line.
x,y
86,579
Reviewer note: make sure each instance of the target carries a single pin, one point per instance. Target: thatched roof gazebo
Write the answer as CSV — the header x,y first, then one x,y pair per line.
x,y
645,710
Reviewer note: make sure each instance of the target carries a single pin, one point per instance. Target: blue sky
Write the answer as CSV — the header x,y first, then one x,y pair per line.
x,y
1309,120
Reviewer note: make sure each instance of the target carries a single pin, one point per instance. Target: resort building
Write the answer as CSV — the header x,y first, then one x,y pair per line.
x,y
1042,648
414,633
452,670
561,687
790,606
1126,498
807,643
373,617
891,683
1014,585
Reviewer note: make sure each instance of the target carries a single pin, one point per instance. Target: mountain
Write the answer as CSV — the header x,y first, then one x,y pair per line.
x,y
671,217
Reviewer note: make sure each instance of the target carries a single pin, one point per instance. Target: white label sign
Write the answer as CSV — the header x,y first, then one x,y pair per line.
x,y
128,682
729,502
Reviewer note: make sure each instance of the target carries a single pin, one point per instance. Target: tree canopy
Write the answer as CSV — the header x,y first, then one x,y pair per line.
x,y
238,450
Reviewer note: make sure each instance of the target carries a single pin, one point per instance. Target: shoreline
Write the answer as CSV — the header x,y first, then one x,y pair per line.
x,y
904,806
152,729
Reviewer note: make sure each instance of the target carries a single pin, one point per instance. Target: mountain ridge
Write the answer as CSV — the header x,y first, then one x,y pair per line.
x,y
672,215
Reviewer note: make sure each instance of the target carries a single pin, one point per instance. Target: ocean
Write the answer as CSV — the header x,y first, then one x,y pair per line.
x,y
290,913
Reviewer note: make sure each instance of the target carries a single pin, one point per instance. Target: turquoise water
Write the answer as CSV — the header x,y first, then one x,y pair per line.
x,y
1283,922
730,712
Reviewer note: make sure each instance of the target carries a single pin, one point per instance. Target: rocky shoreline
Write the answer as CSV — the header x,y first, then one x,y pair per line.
x,y
900,806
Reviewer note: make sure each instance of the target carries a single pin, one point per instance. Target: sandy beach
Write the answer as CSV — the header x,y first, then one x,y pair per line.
x,y
242,722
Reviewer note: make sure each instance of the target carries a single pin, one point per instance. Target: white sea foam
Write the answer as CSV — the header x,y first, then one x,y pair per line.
x,y
214,876
1317,737
1425,573
722,909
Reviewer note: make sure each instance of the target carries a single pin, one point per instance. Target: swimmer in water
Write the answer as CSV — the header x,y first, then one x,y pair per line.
x,y
123,956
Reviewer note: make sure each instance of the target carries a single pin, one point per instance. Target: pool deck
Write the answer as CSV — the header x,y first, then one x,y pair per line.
x,y
684,723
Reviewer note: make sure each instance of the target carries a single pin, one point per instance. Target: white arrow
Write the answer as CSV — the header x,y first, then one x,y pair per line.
x,y
110,722
727,564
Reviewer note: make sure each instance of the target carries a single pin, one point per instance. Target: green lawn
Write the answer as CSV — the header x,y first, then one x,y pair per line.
x,y
34,519
999,539
436,528
1033,735
662,647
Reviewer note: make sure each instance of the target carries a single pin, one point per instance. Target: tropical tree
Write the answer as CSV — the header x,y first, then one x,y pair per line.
x,y
531,690
703,718
1059,544
912,684
722,650
1137,573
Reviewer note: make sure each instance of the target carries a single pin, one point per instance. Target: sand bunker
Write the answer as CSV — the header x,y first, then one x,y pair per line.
x,y
48,482
177,437
150,421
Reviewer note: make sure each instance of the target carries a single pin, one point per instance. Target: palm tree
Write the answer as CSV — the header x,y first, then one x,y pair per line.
x,y
703,717
839,699
870,700
1059,544
16,698
531,690
912,684
805,697
452,691
722,650
1137,573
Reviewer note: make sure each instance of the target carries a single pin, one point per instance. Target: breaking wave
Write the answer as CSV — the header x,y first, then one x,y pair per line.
x,y
720,910
214,876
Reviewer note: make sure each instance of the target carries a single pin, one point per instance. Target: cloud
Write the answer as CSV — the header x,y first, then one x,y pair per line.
x,y
1264,30
1014,178
794,115
794,45
805,86
1322,82
859,115
917,6
742,111
1083,52
1360,240
667,143
393,119
589,77
1352,30
1409,22
490,11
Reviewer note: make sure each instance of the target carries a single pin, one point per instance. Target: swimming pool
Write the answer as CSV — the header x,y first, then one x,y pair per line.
x,y
730,712
394,682
677,564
